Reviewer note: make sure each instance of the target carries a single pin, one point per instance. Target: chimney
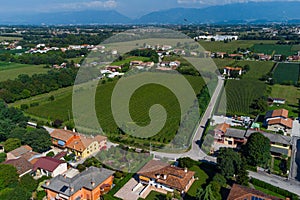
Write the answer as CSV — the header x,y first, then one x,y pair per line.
x,y
165,176
65,176
157,175
48,183
93,183
65,128
185,170
71,188
74,130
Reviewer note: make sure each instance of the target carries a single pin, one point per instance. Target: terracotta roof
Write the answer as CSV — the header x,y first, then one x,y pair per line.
x,y
238,192
285,122
47,163
60,155
21,164
232,68
222,127
175,177
62,134
81,142
29,155
280,113
21,150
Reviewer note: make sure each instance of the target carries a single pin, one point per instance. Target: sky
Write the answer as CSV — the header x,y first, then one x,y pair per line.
x,y
131,8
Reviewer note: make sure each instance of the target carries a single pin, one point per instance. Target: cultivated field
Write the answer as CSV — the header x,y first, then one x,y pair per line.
x,y
13,70
240,95
141,101
5,38
287,73
272,49
231,46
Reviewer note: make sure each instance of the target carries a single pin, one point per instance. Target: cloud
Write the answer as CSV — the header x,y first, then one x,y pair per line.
x,y
88,5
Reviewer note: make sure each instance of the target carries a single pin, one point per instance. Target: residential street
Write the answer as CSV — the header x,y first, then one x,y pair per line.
x,y
277,181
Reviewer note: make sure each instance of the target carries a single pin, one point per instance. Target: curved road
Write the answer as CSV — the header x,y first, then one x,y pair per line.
x,y
196,152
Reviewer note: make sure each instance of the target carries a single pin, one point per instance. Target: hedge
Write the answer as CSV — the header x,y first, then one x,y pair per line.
x,y
275,189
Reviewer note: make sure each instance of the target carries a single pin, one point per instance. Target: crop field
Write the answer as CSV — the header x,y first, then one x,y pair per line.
x,y
231,46
5,38
287,73
129,59
272,49
240,94
13,70
141,101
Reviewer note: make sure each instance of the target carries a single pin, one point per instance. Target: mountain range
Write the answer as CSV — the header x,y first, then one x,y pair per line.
x,y
251,12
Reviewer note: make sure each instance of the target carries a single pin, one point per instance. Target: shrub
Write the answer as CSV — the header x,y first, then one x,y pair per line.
x,y
24,107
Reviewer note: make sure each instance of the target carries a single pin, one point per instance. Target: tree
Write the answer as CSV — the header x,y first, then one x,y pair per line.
x,y
219,178
38,139
242,176
8,176
186,162
207,194
260,105
11,144
257,150
234,73
2,157
228,162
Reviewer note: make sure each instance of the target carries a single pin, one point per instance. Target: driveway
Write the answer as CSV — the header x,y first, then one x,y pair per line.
x,y
126,192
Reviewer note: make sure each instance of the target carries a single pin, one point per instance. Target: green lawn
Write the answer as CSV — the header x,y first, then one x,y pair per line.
x,y
155,196
12,70
257,68
266,191
290,93
231,46
240,94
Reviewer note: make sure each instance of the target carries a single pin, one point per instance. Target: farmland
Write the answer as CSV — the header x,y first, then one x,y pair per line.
x,y
240,94
287,73
272,49
5,38
232,46
12,70
140,103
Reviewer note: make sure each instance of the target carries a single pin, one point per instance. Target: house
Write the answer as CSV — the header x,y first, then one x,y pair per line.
x,y
277,57
234,137
277,120
89,184
24,151
174,64
21,164
220,130
280,144
220,54
136,63
81,145
114,68
239,192
84,146
47,166
166,177
228,70
276,100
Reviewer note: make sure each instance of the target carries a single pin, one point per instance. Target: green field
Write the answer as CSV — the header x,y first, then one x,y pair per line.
x,y
272,49
232,46
240,94
129,59
287,73
290,93
13,70
5,38
141,101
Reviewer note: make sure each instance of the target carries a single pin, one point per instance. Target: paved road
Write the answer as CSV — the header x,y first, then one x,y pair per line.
x,y
196,153
295,171
277,181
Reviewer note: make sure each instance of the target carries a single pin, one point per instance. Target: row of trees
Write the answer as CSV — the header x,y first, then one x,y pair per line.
x,y
49,58
25,86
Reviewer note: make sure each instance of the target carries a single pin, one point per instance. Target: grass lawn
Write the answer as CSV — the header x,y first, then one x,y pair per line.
x,y
13,70
231,46
266,191
240,94
155,196
289,92
257,68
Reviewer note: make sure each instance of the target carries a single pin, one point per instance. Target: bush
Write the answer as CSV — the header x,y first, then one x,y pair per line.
x,y
186,162
24,107
34,104
50,154
275,189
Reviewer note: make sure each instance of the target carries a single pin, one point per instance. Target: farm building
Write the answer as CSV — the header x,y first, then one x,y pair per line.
x,y
228,70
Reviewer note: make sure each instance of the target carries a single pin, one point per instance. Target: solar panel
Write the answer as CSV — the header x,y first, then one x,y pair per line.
x,y
64,188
